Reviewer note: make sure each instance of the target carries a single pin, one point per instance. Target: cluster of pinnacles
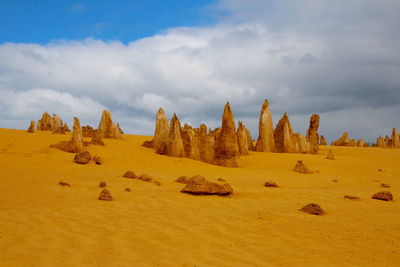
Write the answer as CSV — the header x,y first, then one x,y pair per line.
x,y
223,146
387,142
106,129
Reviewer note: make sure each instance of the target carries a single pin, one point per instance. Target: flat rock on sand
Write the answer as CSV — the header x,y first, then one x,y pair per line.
x,y
130,174
270,184
198,185
383,195
312,208
182,180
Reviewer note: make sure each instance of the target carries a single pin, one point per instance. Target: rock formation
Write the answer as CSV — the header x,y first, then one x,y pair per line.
x,y
130,174
301,144
44,124
312,133
97,140
88,131
190,140
284,137
301,168
270,184
249,139
242,139
322,141
83,157
344,141
76,144
198,185
107,127
312,208
161,132
32,127
56,123
66,128
380,142
360,143
174,146
395,138
330,155
265,141
383,195
226,148
105,195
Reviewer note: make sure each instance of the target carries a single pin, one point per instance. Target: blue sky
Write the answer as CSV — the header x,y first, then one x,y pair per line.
x,y
42,21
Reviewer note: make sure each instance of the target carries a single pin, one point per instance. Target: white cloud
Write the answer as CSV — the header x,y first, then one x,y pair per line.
x,y
306,57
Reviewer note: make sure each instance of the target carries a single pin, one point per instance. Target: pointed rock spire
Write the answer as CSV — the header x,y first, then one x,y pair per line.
x,y
284,136
226,148
395,138
107,127
76,144
162,129
242,140
174,146
32,127
312,133
265,141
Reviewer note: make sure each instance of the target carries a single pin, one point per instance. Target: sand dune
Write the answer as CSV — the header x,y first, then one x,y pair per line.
x,y
45,224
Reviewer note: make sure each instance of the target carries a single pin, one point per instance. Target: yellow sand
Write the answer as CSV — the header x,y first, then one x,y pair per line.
x,y
45,224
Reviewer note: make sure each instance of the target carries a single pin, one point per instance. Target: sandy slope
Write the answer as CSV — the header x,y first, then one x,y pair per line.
x,y
44,224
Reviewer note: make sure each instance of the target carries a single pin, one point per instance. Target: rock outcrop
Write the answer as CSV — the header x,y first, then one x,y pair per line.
x,y
312,133
249,139
56,123
174,146
198,185
345,141
395,138
226,148
190,139
330,155
82,157
44,124
88,131
66,128
284,137
313,209
242,139
97,139
301,168
265,141
322,141
105,195
383,195
32,127
161,132
108,128
380,142
76,144
360,143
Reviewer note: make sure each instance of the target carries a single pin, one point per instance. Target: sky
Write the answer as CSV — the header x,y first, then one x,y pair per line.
x,y
75,58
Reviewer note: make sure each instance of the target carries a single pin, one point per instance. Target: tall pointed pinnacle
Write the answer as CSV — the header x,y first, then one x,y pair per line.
x,y
107,127
77,143
312,133
242,139
162,129
395,138
174,146
265,141
226,147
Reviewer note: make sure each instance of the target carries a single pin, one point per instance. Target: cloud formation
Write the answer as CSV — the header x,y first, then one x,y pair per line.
x,y
337,59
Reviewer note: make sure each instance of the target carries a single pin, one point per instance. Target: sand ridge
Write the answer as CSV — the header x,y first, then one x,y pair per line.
x,y
45,224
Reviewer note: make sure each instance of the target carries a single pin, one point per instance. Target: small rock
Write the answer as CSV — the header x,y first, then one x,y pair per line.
x,y
221,180
270,184
64,183
301,168
330,155
102,184
127,189
130,174
335,181
384,185
198,185
312,208
105,194
380,170
83,157
98,160
351,197
157,183
182,180
383,195
145,177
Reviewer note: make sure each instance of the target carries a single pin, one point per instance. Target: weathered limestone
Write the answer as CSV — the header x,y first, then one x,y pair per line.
x,y
44,124
342,141
284,137
249,139
76,144
301,144
96,139
380,142
226,148
174,146
242,139
265,141
190,141
88,131
107,127
360,143
161,132
312,133
330,155
395,138
32,127
66,128
322,141
56,123
198,185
